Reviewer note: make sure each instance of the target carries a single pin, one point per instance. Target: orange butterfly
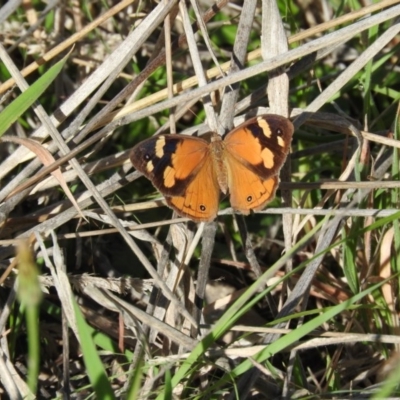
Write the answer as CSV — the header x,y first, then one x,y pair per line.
x,y
190,172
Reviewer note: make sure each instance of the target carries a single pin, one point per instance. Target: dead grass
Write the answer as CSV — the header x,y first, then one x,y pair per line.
x,y
156,291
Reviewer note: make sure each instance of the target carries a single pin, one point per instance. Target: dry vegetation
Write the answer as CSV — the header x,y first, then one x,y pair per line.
x,y
297,301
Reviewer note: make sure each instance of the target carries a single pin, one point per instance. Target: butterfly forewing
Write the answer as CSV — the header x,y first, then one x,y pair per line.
x,y
171,162
261,143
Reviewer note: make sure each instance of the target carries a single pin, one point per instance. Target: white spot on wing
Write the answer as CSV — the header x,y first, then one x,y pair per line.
x,y
160,146
169,177
268,158
265,127
149,166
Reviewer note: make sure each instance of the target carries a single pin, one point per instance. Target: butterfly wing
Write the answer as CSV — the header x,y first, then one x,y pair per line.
x,y
254,153
171,162
181,168
248,191
200,200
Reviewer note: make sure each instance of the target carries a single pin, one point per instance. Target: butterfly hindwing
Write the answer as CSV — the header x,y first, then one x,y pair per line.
x,y
248,191
170,162
201,198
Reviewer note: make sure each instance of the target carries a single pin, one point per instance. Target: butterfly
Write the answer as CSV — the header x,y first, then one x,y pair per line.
x,y
191,172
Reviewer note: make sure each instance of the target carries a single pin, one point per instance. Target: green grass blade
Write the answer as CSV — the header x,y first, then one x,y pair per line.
x,y
94,366
136,381
234,312
13,111
293,337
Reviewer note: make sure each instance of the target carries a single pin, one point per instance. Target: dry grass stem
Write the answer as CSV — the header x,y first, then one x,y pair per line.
x,y
233,307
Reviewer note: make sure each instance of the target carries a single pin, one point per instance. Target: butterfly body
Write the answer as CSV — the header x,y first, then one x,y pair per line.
x,y
191,172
